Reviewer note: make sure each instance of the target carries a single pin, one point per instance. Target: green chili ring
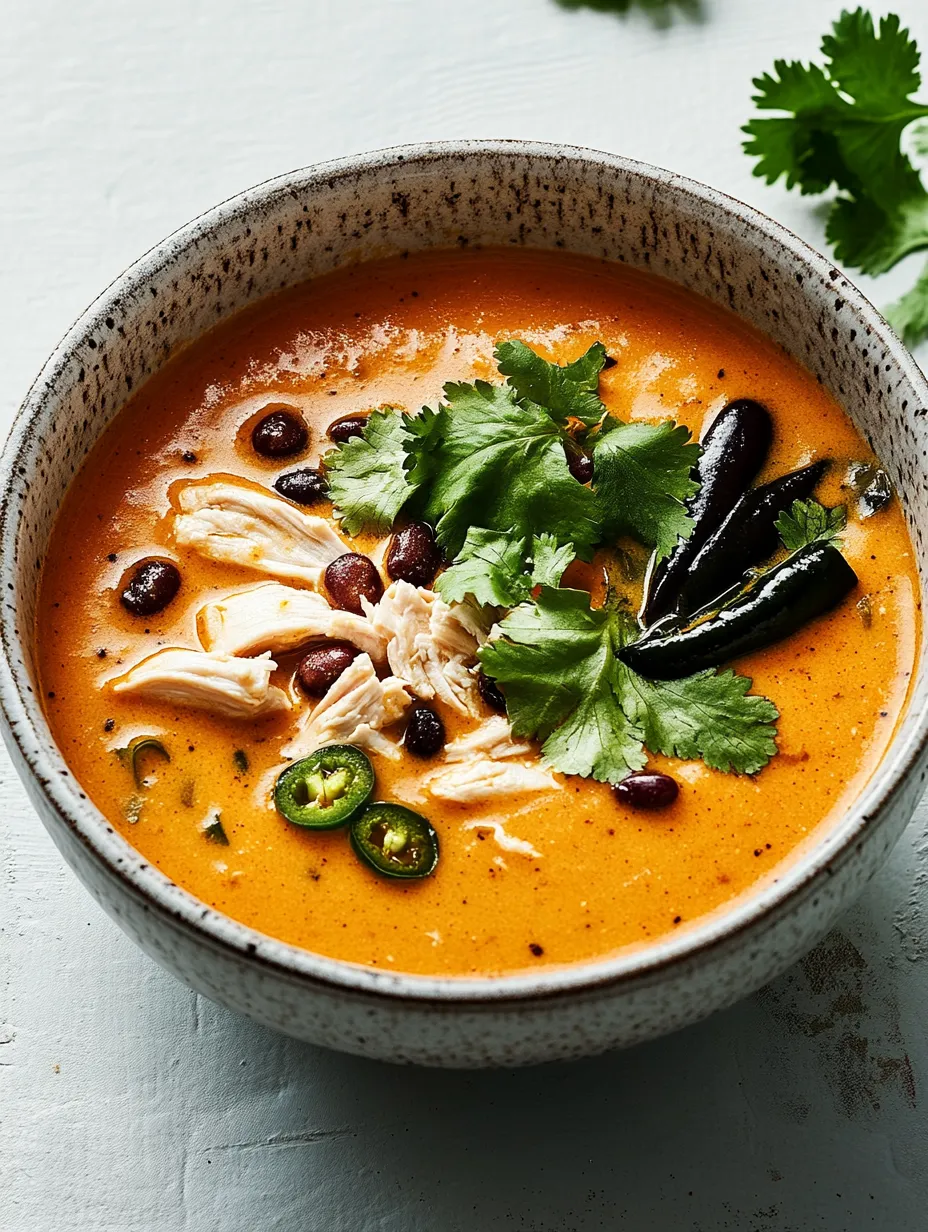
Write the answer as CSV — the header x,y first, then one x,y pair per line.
x,y
326,789
395,841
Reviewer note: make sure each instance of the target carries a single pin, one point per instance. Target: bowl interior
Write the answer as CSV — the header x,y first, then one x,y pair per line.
x,y
312,221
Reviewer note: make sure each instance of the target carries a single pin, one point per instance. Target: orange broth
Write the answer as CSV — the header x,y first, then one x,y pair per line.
x,y
604,877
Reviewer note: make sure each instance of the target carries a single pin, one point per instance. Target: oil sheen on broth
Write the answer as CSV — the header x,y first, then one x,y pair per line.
x,y
588,876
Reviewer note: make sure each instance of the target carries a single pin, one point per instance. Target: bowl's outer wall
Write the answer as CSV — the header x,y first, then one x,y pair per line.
x,y
311,222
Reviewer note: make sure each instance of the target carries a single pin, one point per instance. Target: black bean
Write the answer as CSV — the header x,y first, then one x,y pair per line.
x,y
350,577
580,466
414,555
345,428
425,732
647,790
304,487
280,434
152,586
489,690
323,665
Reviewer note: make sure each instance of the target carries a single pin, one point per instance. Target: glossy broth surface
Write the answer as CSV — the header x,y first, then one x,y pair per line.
x,y
602,877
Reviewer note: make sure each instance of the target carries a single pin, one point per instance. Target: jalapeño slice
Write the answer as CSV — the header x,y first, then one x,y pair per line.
x,y
395,841
326,789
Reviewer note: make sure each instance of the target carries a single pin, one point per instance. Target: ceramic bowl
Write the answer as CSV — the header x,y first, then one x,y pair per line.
x,y
445,195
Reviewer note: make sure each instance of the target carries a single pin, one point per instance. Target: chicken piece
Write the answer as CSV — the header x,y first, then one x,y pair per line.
x,y
430,645
493,738
273,617
481,766
237,525
220,683
482,778
508,842
353,711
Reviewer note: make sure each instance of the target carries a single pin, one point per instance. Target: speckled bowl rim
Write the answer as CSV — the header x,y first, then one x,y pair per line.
x,y
749,915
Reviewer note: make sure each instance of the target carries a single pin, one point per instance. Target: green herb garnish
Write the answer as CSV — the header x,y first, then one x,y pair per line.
x,y
215,831
808,522
499,462
240,760
565,391
488,469
558,662
842,125
642,477
372,476
138,752
492,568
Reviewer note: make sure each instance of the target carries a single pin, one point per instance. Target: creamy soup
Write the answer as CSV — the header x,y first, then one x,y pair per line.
x,y
562,871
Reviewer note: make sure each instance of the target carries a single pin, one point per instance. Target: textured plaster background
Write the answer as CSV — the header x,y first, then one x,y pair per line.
x,y
127,1103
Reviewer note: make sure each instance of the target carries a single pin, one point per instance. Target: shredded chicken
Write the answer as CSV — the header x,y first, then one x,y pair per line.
x,y
493,738
273,617
508,842
235,688
482,778
353,711
238,525
481,766
430,645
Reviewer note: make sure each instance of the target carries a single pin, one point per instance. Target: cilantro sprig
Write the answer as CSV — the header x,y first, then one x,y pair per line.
x,y
809,522
492,456
564,683
842,125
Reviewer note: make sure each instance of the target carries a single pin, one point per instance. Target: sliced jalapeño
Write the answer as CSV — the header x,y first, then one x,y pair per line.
x,y
395,841
326,789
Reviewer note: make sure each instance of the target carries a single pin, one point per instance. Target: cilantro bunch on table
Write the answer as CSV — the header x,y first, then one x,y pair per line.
x,y
489,469
841,125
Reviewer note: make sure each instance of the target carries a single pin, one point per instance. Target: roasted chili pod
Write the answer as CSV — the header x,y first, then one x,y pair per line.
x,y
733,451
395,841
807,584
326,789
747,536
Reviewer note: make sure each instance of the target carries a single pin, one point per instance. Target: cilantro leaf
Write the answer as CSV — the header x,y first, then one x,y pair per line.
x,y
492,568
564,683
846,121
549,561
642,476
878,72
909,315
808,522
843,126
370,476
562,391
500,464
796,148
709,716
873,239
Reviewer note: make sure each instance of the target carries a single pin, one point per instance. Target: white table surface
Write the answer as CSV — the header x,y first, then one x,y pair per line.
x,y
127,1103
